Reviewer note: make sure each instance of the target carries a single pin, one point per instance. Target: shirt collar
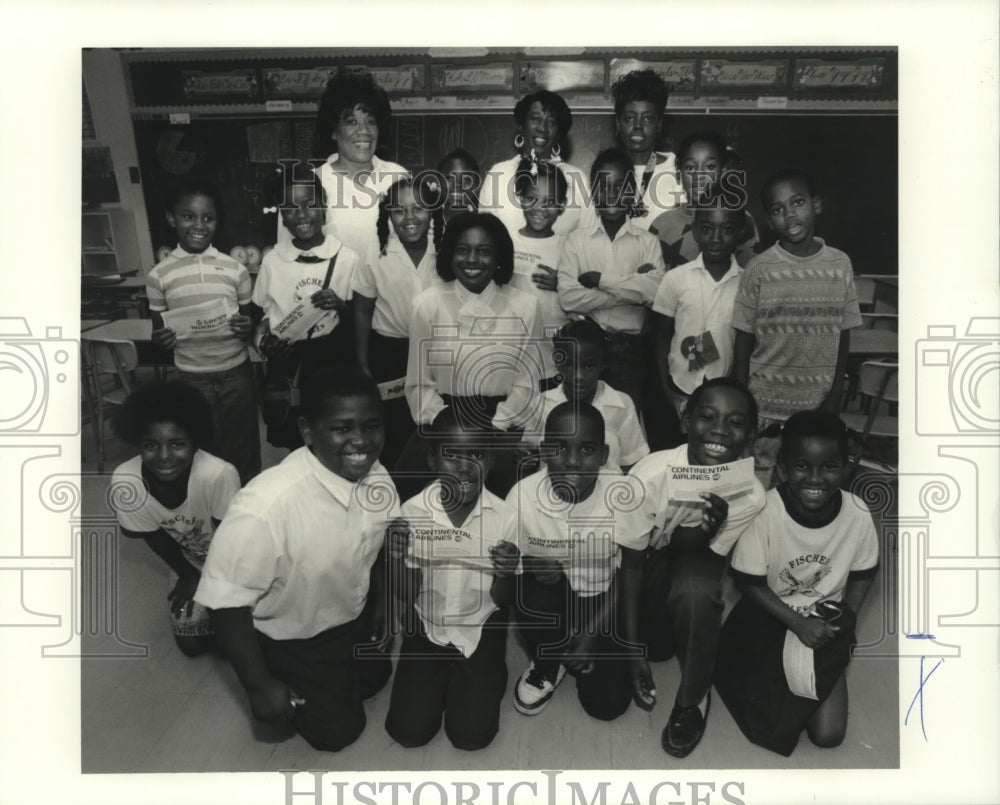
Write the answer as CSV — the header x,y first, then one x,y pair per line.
x,y
603,395
180,253
628,228
340,488
288,252
794,258
486,296
734,268
431,502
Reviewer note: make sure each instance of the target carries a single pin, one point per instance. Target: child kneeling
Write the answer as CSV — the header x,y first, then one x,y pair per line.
x,y
577,523
452,560
804,565
293,576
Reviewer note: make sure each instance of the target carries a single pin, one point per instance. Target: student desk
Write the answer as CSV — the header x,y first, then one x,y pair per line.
x,y
139,332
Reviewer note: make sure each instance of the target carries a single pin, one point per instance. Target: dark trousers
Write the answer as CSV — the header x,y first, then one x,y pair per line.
x,y
433,681
549,615
626,369
682,612
387,360
750,676
334,672
659,416
232,396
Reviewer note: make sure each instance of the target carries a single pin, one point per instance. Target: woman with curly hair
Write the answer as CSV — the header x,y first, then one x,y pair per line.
x,y
640,104
542,121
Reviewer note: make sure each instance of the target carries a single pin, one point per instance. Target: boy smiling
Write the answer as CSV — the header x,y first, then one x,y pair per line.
x,y
294,583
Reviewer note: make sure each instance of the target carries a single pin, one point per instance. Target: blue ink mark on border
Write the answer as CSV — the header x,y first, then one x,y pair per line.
x,y
920,695
920,637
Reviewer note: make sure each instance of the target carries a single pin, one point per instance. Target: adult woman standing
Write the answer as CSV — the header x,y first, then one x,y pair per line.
x,y
353,116
640,103
542,121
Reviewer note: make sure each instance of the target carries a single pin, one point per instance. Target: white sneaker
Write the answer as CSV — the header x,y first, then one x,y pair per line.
x,y
534,690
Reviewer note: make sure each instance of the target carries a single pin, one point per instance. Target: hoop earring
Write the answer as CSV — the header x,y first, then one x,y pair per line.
x,y
519,141
556,150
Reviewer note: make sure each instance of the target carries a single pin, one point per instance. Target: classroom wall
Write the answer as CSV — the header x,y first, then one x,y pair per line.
x,y
852,157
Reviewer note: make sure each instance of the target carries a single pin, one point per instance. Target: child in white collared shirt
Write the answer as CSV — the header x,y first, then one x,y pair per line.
x,y
307,278
293,579
694,307
474,341
384,288
452,564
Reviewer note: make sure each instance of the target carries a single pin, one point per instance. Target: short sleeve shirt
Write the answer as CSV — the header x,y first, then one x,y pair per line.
x,y
454,599
622,431
663,515
297,546
284,283
698,304
185,279
803,565
212,485
583,537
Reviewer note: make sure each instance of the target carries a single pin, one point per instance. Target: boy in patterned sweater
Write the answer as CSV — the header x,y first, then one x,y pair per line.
x,y
794,306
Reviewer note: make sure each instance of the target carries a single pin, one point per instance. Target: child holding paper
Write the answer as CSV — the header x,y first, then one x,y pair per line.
x,y
200,303
689,533
302,290
452,565
583,539
804,566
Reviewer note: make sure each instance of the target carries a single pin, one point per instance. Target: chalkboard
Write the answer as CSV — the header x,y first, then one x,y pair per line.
x,y
853,159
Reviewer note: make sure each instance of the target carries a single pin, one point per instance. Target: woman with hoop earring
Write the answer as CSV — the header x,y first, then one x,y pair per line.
x,y
542,121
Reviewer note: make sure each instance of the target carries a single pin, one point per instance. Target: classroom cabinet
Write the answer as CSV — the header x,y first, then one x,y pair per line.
x,y
109,244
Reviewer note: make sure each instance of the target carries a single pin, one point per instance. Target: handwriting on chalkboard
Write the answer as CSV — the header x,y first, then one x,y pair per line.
x,y
820,74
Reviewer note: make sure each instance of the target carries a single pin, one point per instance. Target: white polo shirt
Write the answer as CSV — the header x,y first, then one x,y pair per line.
x,y
617,308
454,599
696,302
583,537
393,281
622,432
663,515
468,344
297,546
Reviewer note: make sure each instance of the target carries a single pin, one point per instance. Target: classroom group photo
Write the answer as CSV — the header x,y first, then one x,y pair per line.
x,y
492,409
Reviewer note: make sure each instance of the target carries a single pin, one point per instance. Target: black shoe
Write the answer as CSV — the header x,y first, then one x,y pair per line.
x,y
684,729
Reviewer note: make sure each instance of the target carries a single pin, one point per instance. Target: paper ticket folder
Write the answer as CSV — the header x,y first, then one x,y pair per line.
x,y
302,318
728,481
205,320
433,544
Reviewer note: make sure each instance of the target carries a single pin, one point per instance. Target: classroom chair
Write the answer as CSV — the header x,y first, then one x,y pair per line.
x,y
878,382
103,360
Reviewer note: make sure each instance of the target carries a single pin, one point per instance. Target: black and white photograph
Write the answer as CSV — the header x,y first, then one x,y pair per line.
x,y
511,423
